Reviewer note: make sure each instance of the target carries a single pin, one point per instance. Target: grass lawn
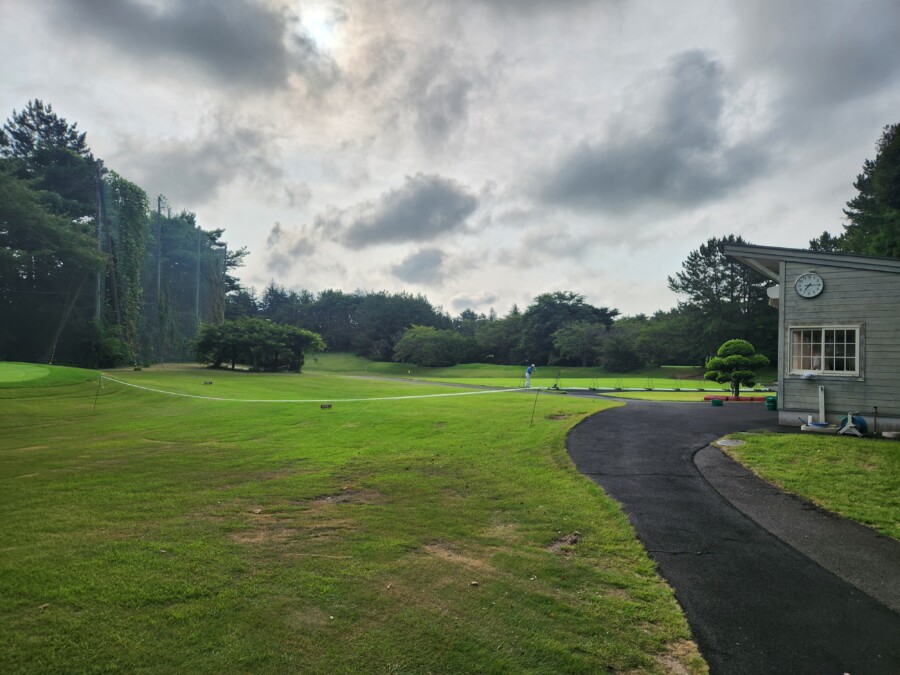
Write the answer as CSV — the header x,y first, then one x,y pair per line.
x,y
856,477
666,377
164,533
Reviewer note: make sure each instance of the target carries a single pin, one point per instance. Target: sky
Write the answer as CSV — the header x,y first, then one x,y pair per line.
x,y
479,152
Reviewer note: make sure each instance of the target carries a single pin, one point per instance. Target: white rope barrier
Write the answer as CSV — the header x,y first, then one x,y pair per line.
x,y
308,400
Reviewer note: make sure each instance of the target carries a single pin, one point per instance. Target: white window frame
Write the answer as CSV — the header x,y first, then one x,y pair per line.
x,y
817,352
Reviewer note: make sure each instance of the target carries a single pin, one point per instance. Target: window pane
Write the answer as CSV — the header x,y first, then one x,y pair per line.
x,y
832,350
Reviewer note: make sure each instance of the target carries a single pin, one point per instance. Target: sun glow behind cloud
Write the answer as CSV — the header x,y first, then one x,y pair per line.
x,y
322,25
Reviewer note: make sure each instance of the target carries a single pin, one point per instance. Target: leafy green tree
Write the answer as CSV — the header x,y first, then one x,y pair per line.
x,y
579,342
432,347
670,338
734,363
498,341
334,316
262,344
241,303
467,322
551,311
619,354
382,317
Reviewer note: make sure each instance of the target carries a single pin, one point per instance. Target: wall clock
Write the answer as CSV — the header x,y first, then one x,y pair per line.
x,y
809,285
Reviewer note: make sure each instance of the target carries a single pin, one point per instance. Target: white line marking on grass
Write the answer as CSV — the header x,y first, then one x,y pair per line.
x,y
308,400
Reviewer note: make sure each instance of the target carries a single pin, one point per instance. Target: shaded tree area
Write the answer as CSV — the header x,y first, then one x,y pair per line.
x,y
88,276
262,344
46,260
873,216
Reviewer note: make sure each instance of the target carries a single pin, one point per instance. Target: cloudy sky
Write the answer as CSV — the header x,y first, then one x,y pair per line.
x,y
478,151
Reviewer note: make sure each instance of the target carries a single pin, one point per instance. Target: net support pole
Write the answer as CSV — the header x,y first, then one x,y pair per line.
x,y
97,394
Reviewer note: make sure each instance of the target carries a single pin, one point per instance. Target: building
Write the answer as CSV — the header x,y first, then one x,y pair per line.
x,y
838,333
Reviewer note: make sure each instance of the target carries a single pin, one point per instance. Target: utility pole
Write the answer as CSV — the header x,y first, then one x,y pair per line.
x,y
197,300
158,252
98,294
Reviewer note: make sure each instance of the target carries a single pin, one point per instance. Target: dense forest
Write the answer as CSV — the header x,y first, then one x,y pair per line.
x,y
93,274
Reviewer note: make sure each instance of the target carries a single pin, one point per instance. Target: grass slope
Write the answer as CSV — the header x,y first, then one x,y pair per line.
x,y
427,535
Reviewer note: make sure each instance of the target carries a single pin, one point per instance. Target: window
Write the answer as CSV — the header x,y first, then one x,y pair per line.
x,y
832,350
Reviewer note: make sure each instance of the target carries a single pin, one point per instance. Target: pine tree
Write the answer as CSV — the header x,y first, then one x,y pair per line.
x,y
874,214
38,127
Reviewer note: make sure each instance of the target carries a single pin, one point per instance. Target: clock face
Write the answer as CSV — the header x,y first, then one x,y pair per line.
x,y
809,285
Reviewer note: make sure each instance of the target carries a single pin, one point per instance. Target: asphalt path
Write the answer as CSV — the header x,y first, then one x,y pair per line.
x,y
754,603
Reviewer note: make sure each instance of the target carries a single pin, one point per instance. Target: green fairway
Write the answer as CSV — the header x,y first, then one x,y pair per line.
x,y
856,477
22,372
148,531
663,378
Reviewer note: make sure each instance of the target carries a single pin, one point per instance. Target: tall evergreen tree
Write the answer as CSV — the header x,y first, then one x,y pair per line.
x,y
873,215
725,298
37,127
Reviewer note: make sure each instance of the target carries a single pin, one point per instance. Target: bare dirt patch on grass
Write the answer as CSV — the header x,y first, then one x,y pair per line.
x,y
681,659
565,544
448,552
346,496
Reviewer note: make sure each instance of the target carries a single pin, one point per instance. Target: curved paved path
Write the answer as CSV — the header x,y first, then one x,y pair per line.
x,y
754,603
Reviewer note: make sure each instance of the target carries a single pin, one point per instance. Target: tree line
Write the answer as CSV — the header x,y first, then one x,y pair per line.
x,y
90,273
558,328
93,274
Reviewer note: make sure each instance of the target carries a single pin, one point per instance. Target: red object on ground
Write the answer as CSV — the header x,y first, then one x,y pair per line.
x,y
737,399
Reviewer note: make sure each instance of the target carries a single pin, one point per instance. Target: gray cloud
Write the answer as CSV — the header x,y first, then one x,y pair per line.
x,y
533,5
231,41
286,247
422,267
478,301
681,158
424,208
439,93
825,52
193,171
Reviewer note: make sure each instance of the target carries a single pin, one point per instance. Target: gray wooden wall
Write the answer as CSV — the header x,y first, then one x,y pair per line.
x,y
870,299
